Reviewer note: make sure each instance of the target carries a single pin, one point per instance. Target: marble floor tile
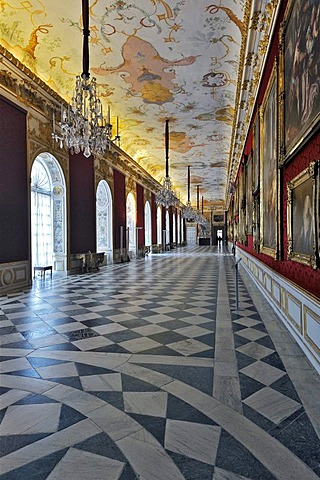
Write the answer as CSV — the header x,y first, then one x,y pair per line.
x,y
58,371
47,341
27,419
255,350
14,365
193,331
263,372
109,328
272,404
93,467
193,440
150,372
92,343
188,347
110,382
139,344
146,403
251,334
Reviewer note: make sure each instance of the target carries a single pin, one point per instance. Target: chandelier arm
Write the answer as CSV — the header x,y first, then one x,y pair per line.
x,y
86,34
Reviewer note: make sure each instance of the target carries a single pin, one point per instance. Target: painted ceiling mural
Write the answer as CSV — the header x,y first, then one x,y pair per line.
x,y
155,59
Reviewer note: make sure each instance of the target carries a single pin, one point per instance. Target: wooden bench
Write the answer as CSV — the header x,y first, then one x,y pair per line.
x,y
42,270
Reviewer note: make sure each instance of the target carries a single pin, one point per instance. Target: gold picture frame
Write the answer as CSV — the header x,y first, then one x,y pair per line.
x,y
242,208
249,197
303,216
256,155
299,76
269,168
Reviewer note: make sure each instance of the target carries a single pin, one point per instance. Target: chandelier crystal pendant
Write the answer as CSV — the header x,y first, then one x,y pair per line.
x,y
83,126
166,196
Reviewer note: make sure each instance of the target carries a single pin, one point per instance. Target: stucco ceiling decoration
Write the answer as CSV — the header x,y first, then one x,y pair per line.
x,y
196,63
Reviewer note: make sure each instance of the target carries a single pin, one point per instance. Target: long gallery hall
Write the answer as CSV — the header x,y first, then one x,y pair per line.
x,y
160,240
162,368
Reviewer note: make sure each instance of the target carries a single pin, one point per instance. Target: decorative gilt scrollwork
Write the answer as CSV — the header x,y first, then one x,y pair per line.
x,y
303,216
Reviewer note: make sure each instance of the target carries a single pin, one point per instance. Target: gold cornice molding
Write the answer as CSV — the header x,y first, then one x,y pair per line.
x,y
40,100
256,42
32,76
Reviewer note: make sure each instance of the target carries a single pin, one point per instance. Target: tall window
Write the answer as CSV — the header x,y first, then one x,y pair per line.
x,y
167,228
131,222
41,214
159,226
147,224
174,227
104,219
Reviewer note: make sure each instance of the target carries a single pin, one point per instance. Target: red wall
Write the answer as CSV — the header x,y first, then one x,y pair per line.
x,y
154,219
140,214
14,201
82,204
300,274
119,208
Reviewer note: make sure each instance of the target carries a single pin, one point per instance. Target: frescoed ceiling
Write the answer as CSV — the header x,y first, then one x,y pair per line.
x,y
196,62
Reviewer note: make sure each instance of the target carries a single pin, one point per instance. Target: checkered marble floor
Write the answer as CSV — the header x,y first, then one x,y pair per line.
x,y
147,370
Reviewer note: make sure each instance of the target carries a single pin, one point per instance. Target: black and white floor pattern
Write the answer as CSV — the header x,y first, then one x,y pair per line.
x,y
147,370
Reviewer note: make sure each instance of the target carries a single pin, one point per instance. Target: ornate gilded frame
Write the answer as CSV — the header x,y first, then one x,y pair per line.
x,y
269,168
242,207
256,155
249,197
303,216
298,77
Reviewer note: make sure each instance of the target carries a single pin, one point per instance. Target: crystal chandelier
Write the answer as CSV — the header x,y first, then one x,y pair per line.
x,y
188,212
165,196
83,126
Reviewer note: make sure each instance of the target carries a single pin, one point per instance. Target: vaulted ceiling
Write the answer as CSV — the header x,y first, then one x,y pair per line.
x,y
196,62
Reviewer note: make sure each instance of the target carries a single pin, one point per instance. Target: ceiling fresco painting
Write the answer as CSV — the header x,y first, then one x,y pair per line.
x,y
184,60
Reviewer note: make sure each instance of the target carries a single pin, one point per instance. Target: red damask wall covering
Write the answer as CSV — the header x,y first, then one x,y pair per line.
x,y
82,204
302,275
154,219
14,195
140,214
119,207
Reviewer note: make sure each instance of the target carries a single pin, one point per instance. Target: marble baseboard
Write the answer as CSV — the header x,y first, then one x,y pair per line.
x,y
299,312
14,276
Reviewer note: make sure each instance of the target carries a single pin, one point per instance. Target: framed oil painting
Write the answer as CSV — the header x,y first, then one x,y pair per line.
x,y
303,217
242,209
256,155
269,169
249,199
236,212
299,83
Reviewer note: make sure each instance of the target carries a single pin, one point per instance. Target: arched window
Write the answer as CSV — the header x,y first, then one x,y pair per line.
x,y
167,228
104,219
174,227
178,228
48,218
41,213
147,224
131,222
159,225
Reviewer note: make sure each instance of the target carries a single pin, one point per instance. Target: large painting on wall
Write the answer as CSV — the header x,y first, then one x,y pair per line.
x,y
303,220
256,154
300,72
269,169
249,203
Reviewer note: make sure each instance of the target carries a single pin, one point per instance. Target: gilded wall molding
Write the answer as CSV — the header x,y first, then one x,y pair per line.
x,y
40,102
259,20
